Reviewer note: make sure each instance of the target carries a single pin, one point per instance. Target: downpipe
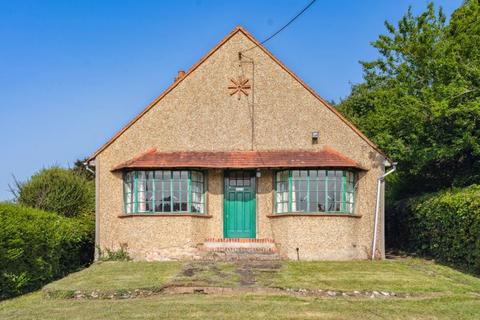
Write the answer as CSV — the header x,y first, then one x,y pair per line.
x,y
87,167
380,180
96,254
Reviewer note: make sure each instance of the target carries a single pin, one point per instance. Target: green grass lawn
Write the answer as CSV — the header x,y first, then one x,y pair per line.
x,y
119,276
437,292
242,307
407,276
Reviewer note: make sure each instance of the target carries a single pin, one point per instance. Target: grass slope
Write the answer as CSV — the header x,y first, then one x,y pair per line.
x,y
242,307
406,276
119,276
438,292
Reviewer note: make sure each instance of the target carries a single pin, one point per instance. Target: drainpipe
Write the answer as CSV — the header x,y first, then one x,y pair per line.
x,y
380,180
87,167
97,225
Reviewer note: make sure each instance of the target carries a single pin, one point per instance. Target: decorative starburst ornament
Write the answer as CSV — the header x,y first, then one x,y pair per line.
x,y
239,86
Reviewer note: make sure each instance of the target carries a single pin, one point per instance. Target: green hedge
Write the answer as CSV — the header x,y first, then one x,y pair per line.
x,y
37,247
443,225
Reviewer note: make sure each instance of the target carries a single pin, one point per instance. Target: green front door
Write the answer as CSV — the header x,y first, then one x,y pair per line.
x,y
239,218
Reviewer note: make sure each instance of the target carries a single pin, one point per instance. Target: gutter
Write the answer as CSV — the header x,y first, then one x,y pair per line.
x,y
380,181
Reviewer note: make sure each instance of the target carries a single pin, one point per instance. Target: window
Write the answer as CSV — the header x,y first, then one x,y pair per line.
x,y
314,191
164,191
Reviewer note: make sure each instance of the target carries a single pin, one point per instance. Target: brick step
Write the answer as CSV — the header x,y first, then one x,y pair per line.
x,y
239,256
243,240
234,249
240,245
242,250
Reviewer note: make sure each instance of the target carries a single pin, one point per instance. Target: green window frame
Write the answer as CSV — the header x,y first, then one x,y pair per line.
x,y
164,191
315,191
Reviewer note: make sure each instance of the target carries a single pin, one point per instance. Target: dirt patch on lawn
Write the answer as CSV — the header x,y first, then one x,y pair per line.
x,y
206,273
225,274
248,271
247,278
189,271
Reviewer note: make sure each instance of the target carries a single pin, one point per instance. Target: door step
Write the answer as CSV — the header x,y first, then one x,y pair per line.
x,y
240,249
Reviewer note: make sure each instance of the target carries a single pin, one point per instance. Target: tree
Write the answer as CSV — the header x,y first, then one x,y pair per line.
x,y
420,99
60,190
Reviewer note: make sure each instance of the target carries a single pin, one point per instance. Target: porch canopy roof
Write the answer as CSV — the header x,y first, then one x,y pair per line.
x,y
153,159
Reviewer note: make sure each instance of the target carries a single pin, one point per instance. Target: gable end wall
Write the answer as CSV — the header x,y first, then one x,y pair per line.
x,y
200,115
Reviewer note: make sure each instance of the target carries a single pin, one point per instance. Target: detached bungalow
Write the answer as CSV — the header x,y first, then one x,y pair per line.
x,y
240,155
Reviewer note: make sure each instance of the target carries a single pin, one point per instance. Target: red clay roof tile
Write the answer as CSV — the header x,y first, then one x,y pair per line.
x,y
239,160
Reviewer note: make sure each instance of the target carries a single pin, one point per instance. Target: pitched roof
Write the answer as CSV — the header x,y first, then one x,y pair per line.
x,y
211,52
240,159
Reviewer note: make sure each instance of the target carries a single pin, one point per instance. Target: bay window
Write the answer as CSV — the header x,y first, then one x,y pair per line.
x,y
330,191
164,191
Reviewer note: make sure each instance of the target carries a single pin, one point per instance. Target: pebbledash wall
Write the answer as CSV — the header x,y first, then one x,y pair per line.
x,y
197,113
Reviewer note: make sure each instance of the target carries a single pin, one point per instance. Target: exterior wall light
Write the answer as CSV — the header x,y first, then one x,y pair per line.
x,y
315,136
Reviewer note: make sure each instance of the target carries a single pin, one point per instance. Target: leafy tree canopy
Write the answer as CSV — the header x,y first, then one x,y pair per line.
x,y
60,190
420,99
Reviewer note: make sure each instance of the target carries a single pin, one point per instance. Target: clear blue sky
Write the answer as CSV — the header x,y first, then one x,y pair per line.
x,y
74,72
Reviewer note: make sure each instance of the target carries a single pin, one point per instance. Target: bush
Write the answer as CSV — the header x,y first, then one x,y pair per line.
x,y
37,247
58,190
443,225
114,255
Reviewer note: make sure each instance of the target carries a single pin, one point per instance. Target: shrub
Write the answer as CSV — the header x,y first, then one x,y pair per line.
x,y
443,225
37,247
114,255
58,190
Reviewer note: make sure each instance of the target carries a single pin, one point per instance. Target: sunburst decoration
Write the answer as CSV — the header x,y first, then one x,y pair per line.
x,y
239,86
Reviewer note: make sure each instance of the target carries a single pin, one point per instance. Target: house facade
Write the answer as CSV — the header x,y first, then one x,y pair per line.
x,y
239,150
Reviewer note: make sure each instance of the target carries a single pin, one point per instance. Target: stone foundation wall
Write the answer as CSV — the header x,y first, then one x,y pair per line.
x,y
158,238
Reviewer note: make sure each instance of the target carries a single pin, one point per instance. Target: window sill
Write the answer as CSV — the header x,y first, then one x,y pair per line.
x,y
313,214
153,215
